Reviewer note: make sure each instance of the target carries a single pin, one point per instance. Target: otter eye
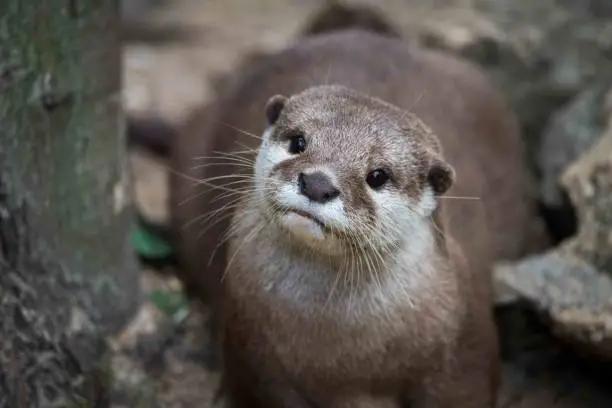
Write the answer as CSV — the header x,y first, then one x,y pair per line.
x,y
377,178
297,144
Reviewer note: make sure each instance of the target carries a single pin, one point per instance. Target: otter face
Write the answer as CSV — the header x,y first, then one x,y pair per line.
x,y
341,171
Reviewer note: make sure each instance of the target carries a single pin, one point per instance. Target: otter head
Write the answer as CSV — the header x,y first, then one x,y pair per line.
x,y
340,171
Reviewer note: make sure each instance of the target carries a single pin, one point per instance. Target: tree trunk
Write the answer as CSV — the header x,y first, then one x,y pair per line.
x,y
68,277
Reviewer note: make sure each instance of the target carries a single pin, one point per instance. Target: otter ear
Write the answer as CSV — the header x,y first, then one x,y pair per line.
x,y
441,176
274,106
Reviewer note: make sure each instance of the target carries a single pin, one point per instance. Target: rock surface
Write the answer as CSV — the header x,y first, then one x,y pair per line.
x,y
569,133
569,291
572,284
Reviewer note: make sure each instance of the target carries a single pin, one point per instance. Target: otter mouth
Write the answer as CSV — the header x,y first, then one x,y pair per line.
x,y
307,215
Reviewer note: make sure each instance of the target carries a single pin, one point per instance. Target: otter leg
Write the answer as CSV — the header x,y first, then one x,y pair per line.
x,y
470,381
244,387
241,396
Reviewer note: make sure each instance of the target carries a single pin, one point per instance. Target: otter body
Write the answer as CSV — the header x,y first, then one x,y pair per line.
x,y
349,279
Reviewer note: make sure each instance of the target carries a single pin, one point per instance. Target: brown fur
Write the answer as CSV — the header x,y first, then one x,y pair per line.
x,y
336,16
276,357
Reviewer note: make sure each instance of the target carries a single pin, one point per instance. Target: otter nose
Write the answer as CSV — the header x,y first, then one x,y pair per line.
x,y
317,187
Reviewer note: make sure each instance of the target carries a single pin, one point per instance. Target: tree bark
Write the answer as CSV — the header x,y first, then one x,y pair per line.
x,y
68,277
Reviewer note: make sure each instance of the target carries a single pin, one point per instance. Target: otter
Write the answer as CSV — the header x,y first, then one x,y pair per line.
x,y
364,296
357,268
343,288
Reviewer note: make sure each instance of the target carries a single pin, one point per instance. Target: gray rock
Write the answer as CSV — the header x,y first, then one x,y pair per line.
x,y
569,133
589,184
573,295
572,284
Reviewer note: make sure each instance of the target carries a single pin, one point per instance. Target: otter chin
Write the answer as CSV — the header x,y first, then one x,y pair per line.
x,y
303,226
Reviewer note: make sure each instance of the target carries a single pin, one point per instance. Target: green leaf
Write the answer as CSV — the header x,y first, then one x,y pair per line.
x,y
149,245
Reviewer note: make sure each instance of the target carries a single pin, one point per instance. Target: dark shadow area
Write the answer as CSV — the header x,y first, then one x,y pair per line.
x,y
561,222
534,359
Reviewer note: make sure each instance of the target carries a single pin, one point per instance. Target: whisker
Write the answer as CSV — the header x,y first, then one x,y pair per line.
x,y
228,234
329,66
333,288
223,217
225,187
209,214
237,164
196,181
247,148
220,155
244,132
433,222
243,191
415,103
239,154
458,198
375,270
228,192
230,231
234,154
232,159
245,240
240,177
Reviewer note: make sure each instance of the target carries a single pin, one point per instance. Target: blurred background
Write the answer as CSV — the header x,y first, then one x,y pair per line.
x,y
117,333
